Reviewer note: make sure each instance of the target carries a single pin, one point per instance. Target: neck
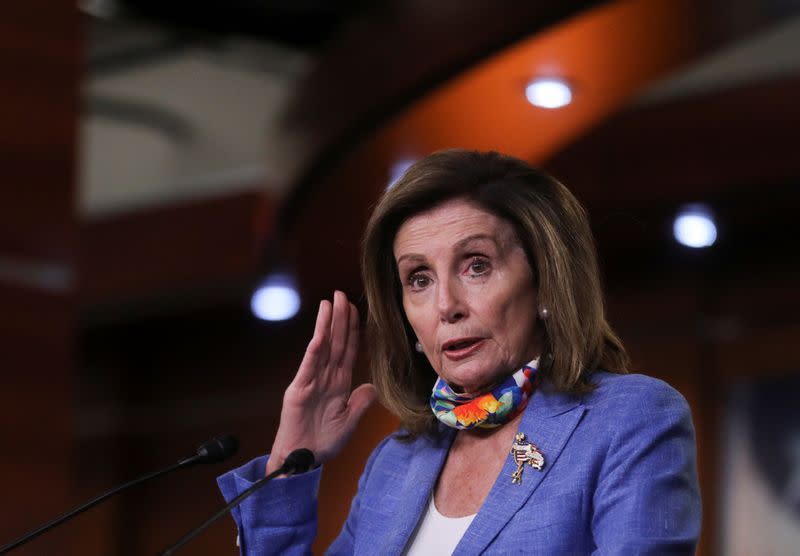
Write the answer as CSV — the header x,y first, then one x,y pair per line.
x,y
479,434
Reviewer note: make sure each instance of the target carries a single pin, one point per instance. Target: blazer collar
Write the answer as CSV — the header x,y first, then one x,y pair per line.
x,y
548,422
426,463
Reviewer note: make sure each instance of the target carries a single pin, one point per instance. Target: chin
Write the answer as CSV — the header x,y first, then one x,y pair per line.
x,y
472,377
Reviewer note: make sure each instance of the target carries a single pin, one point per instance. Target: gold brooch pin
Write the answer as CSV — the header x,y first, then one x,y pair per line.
x,y
523,451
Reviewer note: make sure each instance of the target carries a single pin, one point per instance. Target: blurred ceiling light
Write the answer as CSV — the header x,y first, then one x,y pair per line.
x,y
398,169
694,227
276,298
548,93
102,9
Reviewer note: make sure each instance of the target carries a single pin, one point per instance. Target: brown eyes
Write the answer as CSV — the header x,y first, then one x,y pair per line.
x,y
479,266
476,267
418,281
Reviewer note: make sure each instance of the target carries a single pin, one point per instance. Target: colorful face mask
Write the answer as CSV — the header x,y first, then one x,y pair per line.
x,y
493,409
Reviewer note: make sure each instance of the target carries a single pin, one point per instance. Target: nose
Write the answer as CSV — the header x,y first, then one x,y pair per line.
x,y
450,301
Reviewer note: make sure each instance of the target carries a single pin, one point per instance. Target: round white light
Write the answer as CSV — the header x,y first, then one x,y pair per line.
x,y
694,227
548,93
275,299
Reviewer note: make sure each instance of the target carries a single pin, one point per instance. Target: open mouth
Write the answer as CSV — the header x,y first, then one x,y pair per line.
x,y
461,347
462,343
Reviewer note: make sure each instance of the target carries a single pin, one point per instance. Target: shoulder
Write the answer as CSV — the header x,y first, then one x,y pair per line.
x,y
632,392
398,449
635,405
396,445
636,418
646,497
401,444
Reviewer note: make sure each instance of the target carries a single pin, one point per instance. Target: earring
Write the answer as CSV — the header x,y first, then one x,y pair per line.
x,y
418,347
543,312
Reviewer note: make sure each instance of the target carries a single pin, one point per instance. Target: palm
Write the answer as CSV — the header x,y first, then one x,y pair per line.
x,y
319,411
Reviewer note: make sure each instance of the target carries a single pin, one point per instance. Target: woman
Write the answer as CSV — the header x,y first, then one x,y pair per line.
x,y
483,283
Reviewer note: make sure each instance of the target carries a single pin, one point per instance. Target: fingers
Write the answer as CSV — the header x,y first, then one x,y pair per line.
x,y
318,350
335,341
340,329
351,350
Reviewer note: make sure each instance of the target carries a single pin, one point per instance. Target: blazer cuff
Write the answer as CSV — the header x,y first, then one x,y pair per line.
x,y
287,502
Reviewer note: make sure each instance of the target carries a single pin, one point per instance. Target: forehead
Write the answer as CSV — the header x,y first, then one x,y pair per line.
x,y
449,223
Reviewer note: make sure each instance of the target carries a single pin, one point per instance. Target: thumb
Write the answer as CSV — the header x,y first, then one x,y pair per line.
x,y
360,401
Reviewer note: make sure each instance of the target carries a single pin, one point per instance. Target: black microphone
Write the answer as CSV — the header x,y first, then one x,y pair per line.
x,y
213,451
299,461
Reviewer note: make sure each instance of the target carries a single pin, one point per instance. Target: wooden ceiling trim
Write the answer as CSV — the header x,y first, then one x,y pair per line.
x,y
386,60
608,53
704,145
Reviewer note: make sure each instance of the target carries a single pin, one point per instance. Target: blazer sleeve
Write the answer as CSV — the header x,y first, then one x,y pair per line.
x,y
281,517
647,500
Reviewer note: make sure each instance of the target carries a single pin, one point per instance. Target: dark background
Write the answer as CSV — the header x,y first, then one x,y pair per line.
x,y
125,331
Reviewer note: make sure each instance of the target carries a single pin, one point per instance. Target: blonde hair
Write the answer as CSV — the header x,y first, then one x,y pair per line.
x,y
554,231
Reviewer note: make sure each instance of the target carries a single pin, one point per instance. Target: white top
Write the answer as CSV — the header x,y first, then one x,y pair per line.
x,y
437,534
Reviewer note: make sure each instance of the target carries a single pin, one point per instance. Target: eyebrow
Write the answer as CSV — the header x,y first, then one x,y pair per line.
x,y
459,245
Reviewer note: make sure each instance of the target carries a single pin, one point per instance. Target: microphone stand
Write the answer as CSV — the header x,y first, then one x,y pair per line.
x,y
90,504
207,453
298,461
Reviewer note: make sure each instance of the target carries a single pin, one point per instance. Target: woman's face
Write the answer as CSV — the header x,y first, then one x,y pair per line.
x,y
468,293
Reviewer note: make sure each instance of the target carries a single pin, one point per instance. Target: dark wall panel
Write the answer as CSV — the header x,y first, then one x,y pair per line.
x,y
40,67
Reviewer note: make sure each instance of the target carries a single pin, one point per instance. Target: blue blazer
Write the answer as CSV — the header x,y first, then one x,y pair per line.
x,y
619,478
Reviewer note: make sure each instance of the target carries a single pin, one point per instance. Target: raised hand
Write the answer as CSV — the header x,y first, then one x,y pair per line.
x,y
319,412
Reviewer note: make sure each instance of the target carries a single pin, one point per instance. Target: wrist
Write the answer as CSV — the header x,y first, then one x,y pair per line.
x,y
274,461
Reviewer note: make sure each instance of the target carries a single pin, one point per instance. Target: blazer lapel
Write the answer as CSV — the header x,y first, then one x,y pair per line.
x,y
548,423
412,498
